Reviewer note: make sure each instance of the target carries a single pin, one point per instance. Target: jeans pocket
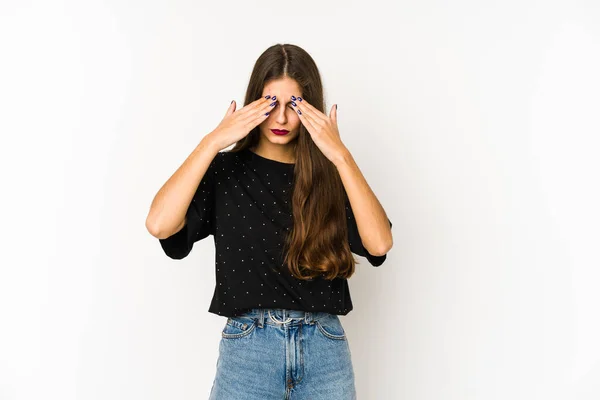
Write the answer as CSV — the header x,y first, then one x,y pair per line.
x,y
331,327
238,327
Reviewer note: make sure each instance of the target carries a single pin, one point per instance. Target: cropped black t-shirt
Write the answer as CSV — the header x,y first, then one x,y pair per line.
x,y
244,201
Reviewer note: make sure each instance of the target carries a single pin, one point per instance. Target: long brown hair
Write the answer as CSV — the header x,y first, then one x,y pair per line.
x,y
317,245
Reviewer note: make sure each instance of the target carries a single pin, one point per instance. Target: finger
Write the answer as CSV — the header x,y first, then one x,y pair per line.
x,y
309,119
333,114
262,111
306,107
231,108
307,122
253,106
305,114
261,114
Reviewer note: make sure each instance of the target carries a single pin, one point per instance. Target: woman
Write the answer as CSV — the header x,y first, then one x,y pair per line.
x,y
287,207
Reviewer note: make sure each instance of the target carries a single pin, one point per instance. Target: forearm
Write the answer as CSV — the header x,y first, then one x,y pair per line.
x,y
169,206
371,219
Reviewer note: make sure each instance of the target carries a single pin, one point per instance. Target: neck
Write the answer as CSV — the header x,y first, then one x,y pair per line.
x,y
281,153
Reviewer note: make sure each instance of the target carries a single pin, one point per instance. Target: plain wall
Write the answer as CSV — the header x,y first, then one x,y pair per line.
x,y
474,122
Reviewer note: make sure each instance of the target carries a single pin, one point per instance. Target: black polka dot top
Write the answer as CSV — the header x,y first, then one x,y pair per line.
x,y
244,201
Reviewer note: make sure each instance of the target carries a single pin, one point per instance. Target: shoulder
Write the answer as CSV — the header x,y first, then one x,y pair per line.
x,y
229,158
225,163
221,159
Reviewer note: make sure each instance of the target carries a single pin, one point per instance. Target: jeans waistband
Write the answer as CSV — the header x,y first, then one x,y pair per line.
x,y
280,316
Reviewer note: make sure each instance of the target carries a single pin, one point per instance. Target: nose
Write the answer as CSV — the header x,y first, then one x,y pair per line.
x,y
280,114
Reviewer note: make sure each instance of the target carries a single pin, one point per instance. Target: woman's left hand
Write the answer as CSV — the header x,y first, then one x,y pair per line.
x,y
323,129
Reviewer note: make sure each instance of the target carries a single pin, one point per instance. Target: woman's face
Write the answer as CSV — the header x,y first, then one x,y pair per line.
x,y
282,116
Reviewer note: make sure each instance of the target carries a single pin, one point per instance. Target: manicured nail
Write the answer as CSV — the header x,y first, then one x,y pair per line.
x,y
299,98
267,113
274,98
294,104
273,103
267,97
336,107
299,112
293,97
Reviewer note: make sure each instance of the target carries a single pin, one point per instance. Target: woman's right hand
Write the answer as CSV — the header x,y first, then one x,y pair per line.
x,y
238,124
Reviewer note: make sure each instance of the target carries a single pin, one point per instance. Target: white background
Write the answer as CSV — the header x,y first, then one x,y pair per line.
x,y
475,123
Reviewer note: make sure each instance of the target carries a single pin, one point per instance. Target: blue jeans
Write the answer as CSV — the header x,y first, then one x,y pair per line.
x,y
275,354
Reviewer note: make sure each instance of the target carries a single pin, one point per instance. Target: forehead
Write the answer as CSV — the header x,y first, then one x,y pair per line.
x,y
282,87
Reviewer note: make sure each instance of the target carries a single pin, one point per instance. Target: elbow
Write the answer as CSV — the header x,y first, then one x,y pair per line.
x,y
381,252
385,248
161,232
154,229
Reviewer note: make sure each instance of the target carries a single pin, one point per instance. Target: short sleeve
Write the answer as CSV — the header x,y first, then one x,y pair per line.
x,y
199,217
356,245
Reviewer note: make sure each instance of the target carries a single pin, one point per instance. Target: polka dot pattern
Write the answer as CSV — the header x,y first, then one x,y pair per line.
x,y
244,202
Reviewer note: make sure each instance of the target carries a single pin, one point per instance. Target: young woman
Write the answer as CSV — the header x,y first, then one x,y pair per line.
x,y
287,206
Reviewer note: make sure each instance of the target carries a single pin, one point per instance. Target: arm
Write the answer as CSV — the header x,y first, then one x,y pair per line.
x,y
168,209
372,222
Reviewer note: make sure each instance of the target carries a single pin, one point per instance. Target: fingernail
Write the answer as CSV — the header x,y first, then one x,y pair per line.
x,y
267,97
294,104
336,107
293,97
299,98
266,113
231,102
299,112
274,98
273,103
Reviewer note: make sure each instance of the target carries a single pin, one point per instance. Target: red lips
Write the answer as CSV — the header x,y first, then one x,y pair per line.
x,y
280,131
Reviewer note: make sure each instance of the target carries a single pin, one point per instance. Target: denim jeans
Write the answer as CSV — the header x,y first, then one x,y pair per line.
x,y
283,354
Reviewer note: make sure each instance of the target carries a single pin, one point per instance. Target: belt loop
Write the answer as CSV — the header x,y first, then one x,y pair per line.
x,y
261,317
308,317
